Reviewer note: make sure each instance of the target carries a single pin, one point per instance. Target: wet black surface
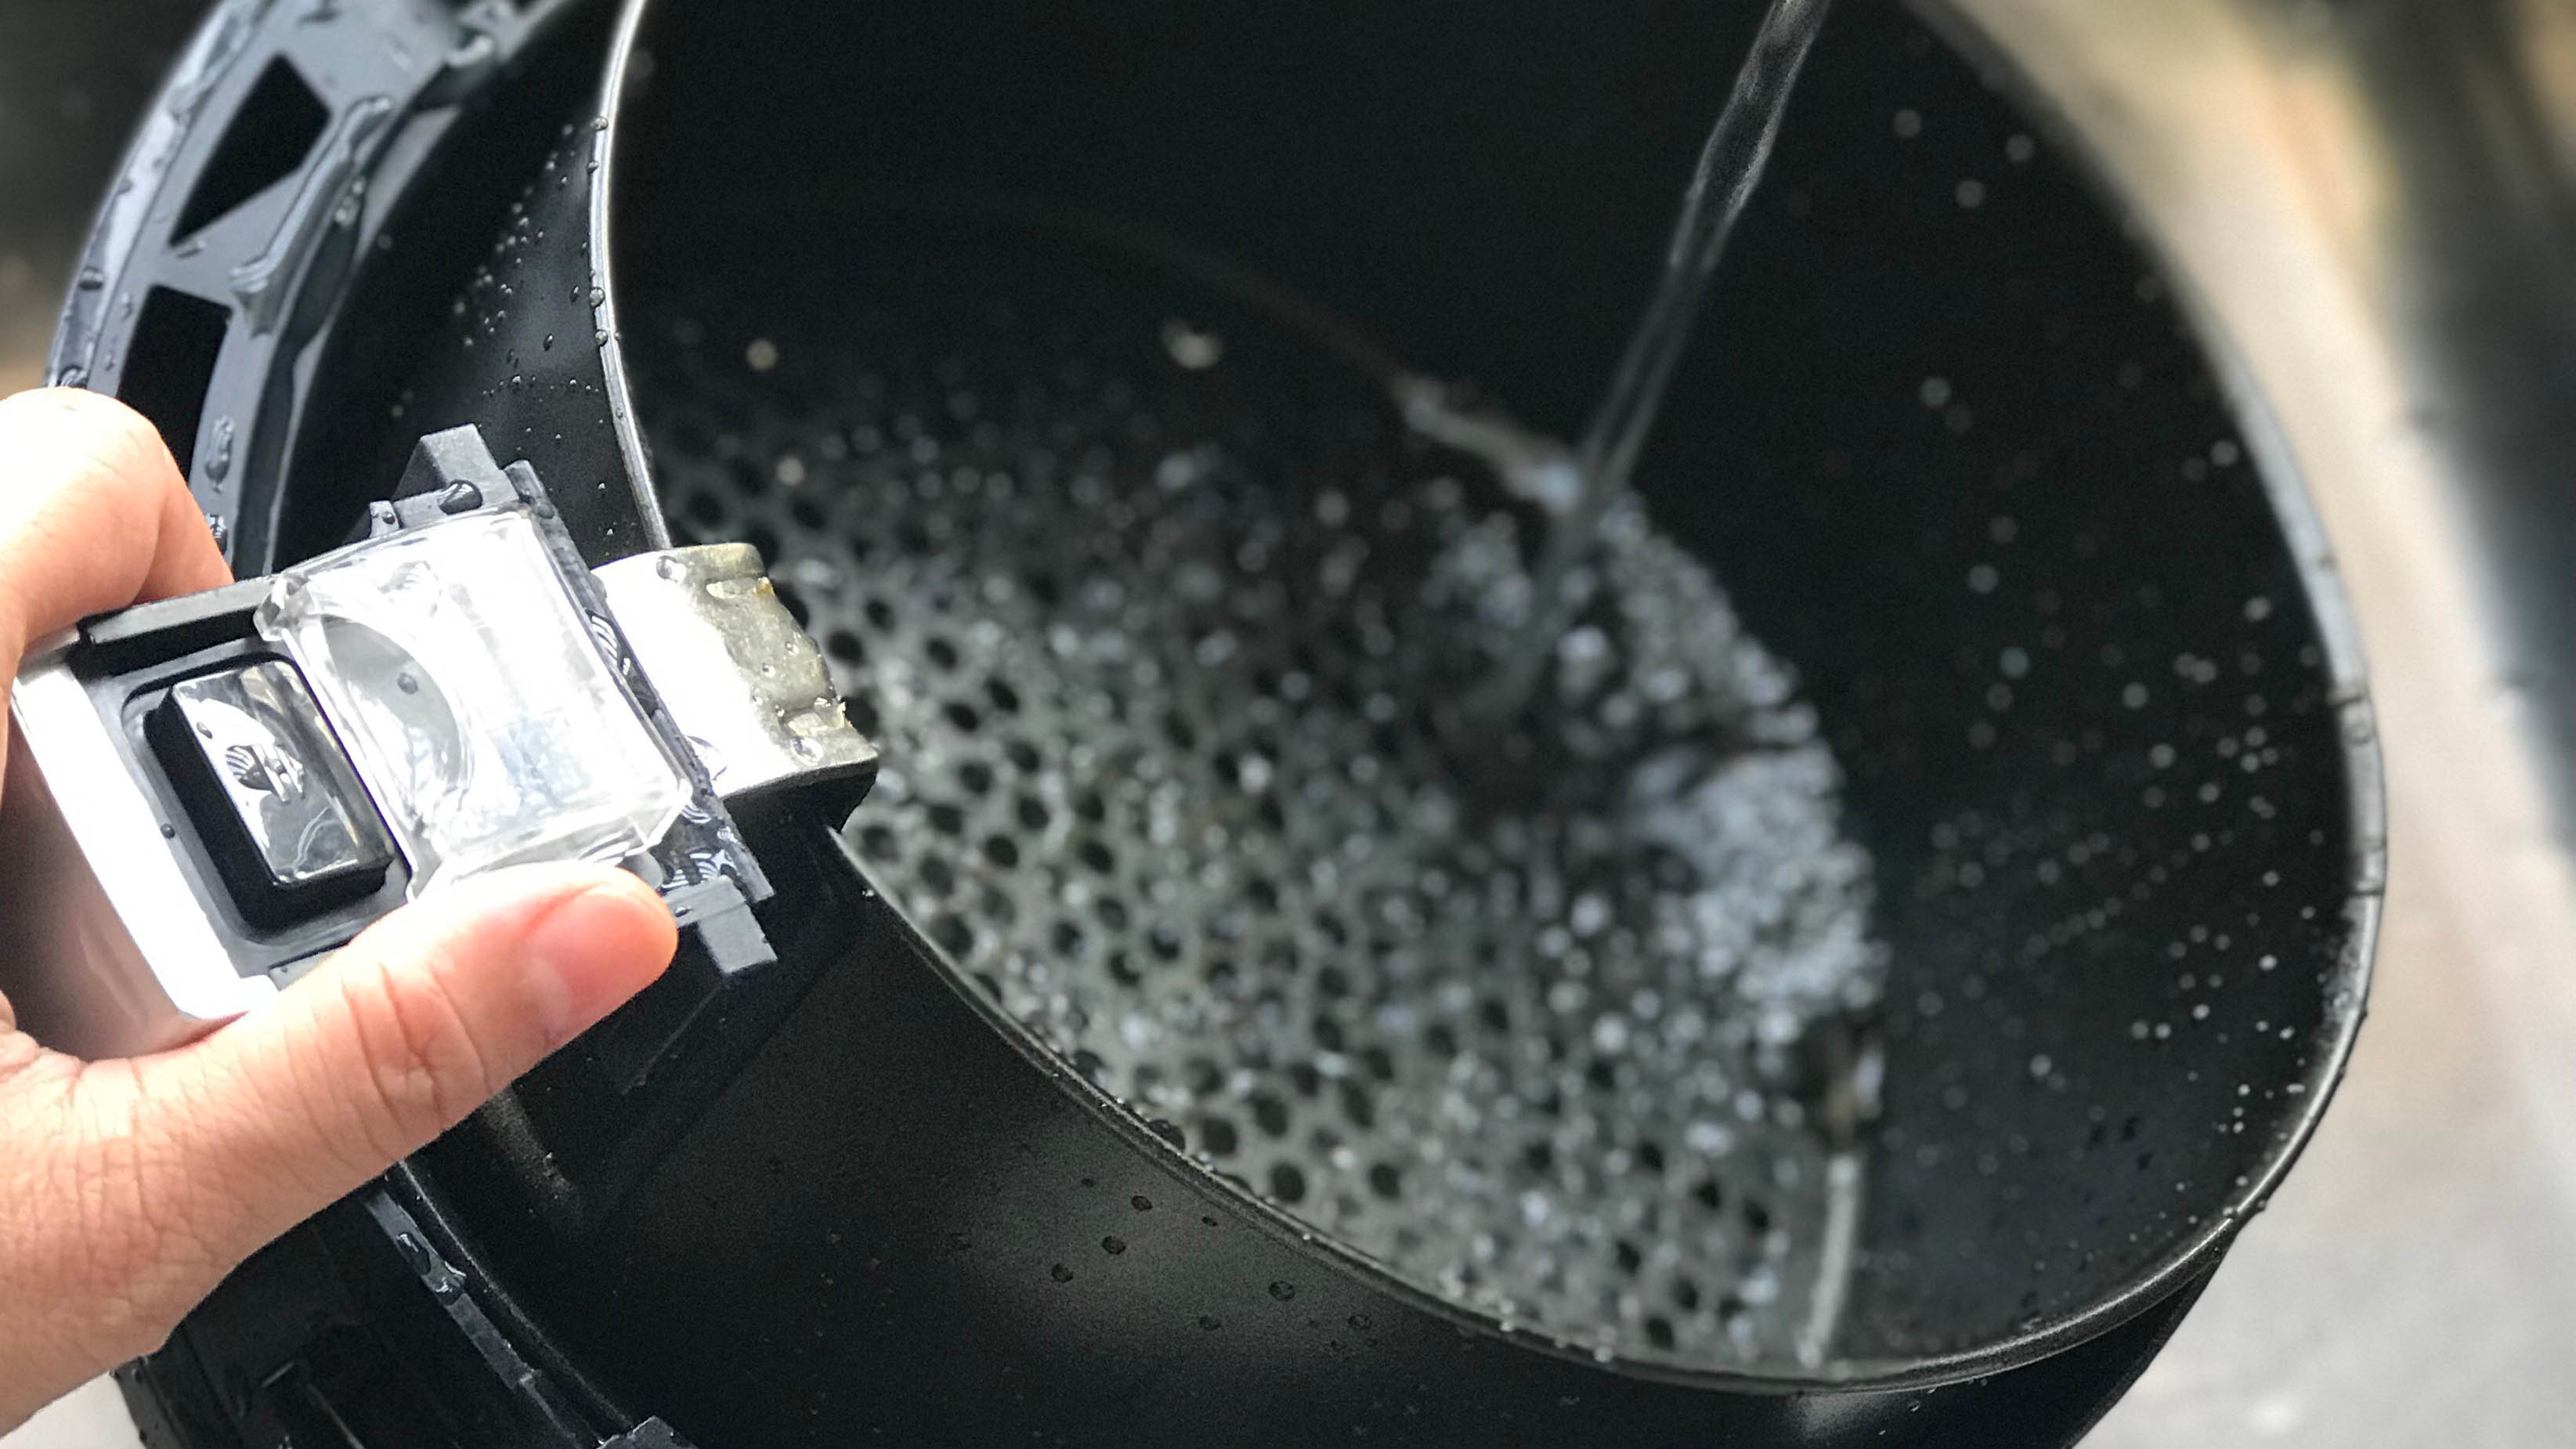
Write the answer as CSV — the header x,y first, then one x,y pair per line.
x,y
1960,460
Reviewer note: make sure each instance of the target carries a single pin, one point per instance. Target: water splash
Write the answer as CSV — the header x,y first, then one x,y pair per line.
x,y
1580,487
1147,602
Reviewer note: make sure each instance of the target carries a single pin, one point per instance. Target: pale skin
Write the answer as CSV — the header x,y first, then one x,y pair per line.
x,y
128,1189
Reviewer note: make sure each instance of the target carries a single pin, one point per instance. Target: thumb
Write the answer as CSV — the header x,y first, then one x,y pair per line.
x,y
391,1042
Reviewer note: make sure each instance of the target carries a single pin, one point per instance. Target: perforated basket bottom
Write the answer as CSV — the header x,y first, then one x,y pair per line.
x,y
1152,613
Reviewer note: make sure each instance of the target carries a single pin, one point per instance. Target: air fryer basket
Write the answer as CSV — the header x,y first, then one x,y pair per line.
x,y
1035,348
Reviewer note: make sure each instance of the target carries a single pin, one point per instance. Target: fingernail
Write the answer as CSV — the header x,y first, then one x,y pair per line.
x,y
594,950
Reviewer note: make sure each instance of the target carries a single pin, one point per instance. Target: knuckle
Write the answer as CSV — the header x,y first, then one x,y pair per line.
x,y
424,1067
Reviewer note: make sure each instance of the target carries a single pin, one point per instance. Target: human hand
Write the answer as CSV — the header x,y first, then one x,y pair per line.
x,y
128,1189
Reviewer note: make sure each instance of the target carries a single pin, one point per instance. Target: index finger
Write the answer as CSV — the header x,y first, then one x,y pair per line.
x,y
93,516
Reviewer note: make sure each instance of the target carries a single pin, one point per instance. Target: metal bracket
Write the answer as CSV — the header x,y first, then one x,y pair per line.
x,y
748,688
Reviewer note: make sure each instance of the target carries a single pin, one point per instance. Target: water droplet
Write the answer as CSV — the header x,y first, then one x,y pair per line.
x,y
219,451
1060,1273
1283,1291
1113,1245
1190,347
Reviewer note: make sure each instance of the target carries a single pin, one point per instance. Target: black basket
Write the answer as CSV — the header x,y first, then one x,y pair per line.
x,y
2130,898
